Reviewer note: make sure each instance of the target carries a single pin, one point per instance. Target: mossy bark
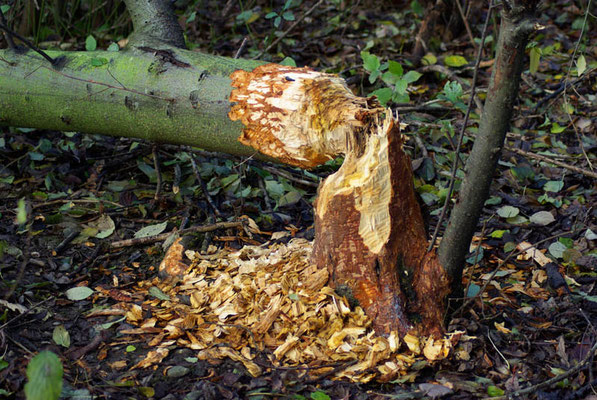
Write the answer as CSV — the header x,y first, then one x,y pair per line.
x,y
161,94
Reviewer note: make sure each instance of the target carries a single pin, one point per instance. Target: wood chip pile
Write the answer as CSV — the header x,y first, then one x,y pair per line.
x,y
267,307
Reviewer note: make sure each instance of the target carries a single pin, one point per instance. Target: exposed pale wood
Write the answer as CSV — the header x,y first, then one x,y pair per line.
x,y
370,234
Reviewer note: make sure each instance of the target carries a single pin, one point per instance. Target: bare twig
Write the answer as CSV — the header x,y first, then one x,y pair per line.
x,y
466,25
158,173
531,389
241,48
33,307
582,31
204,187
164,236
590,174
7,30
289,176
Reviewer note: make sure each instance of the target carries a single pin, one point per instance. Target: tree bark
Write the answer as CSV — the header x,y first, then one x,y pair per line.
x,y
369,228
516,25
154,22
159,94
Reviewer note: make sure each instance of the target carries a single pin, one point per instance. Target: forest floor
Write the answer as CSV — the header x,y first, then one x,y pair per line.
x,y
69,285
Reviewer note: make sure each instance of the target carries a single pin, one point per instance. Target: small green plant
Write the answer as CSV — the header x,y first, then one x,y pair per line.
x,y
285,14
392,74
452,93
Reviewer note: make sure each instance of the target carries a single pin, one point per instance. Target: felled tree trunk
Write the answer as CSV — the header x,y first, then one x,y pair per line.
x,y
369,229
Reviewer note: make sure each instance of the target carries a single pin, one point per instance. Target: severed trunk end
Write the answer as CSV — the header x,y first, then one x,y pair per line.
x,y
369,230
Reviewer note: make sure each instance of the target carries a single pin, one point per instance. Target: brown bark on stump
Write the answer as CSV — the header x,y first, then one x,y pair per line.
x,y
370,233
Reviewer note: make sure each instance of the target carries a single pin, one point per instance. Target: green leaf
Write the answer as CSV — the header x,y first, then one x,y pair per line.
x,y
289,198
78,293
498,234
390,78
553,186
556,128
453,91
370,61
400,87
508,211
288,61
557,249
61,336
7,179
494,391
113,47
412,76
151,230
44,373
21,212
90,43
395,68
288,16
493,200
192,17
248,16
581,65
374,75
383,95
429,59
473,290
5,8
535,57
271,15
158,294
146,391
130,348
35,156
542,218
417,8
99,61
3,363
455,61
147,170
319,395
